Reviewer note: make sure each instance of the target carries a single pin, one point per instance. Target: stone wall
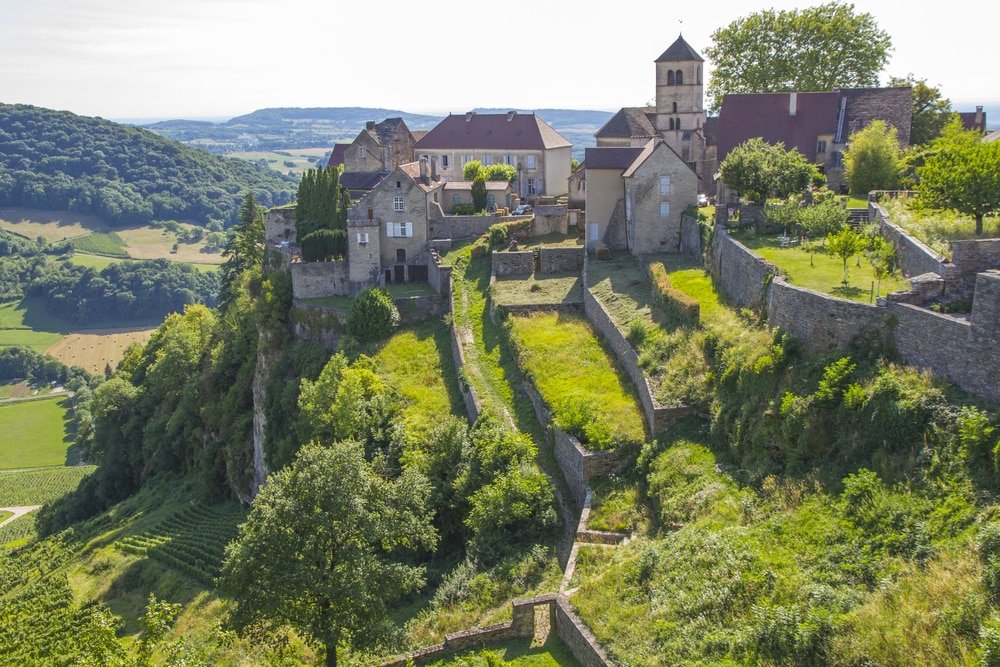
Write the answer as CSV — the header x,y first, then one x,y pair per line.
x,y
507,263
279,224
740,273
473,407
550,220
313,279
821,321
915,258
690,236
440,245
561,260
419,308
465,226
577,637
438,275
975,256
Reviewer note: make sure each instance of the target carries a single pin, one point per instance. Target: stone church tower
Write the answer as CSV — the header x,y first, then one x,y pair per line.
x,y
680,109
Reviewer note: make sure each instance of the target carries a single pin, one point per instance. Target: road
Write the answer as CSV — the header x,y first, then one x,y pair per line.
x,y
17,511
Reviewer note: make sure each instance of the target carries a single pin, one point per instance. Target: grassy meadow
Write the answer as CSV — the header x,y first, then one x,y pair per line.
x,y
92,350
513,653
294,160
539,288
26,322
35,433
938,228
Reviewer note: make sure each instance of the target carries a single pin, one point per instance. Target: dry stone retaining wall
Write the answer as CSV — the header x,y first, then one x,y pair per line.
x,y
690,236
438,275
466,226
550,220
473,406
312,279
560,260
741,273
915,257
821,321
419,308
507,263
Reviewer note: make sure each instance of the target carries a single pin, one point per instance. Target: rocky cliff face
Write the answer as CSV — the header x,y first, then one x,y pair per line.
x,y
265,358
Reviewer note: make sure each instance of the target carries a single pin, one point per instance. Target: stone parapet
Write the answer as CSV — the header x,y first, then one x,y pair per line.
x,y
512,263
316,279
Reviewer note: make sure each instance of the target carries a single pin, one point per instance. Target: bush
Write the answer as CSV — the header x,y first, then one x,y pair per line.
x,y
324,244
463,209
500,234
373,315
676,302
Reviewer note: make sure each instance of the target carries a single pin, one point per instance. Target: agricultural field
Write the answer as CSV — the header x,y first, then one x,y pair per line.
x,y
39,485
290,160
417,362
153,243
515,653
92,350
589,395
51,225
35,433
108,244
26,322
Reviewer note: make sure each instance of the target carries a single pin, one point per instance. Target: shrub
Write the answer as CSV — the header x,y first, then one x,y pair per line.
x,y
373,315
463,209
500,234
324,244
676,302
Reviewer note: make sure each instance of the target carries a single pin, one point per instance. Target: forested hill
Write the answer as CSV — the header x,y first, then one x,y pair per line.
x,y
127,175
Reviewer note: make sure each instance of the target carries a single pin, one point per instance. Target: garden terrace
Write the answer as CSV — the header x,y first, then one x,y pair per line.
x,y
937,229
578,379
539,288
552,241
809,265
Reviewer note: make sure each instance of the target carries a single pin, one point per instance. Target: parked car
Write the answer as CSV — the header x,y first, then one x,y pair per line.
x,y
523,209
702,200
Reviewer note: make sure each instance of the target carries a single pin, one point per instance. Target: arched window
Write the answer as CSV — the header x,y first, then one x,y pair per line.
x,y
675,107
697,74
670,78
677,124
679,77
671,123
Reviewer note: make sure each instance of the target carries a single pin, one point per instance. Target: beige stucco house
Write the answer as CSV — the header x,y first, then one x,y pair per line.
x,y
499,194
636,196
539,153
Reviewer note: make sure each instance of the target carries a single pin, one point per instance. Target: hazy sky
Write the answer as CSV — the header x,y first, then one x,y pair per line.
x,y
187,58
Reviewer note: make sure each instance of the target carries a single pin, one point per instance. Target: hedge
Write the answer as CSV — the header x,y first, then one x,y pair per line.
x,y
674,301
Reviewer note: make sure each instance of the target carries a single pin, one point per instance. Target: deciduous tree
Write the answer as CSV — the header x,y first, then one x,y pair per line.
x,y
844,244
931,111
811,49
871,161
757,170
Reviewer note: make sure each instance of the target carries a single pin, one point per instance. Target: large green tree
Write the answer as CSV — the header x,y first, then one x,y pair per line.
x,y
871,161
322,549
962,173
810,49
757,170
321,202
931,111
244,250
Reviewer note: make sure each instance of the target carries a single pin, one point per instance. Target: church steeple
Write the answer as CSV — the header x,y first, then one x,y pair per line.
x,y
679,92
679,51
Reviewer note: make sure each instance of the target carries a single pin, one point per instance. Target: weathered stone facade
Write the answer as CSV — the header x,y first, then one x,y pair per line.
x,y
560,260
550,220
659,186
380,147
279,224
316,279
690,236
507,263
443,226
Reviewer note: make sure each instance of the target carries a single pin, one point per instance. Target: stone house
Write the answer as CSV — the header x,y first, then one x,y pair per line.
x,y
539,153
678,117
387,229
380,147
636,196
499,194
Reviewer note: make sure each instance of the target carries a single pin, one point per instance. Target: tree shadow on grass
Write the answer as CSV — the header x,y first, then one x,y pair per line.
x,y
848,292
73,453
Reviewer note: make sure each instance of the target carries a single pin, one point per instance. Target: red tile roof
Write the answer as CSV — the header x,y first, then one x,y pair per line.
x,y
492,131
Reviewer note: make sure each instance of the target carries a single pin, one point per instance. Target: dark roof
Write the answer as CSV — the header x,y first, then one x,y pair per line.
x,y
388,128
337,156
361,180
606,157
679,51
971,122
893,105
630,122
711,130
766,115
492,131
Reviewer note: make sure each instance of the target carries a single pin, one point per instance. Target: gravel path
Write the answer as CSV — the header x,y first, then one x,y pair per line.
x,y
17,511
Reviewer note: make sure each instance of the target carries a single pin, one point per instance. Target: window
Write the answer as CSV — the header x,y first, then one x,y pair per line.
x,y
671,125
677,123
363,238
466,159
399,185
509,159
529,161
362,153
670,78
664,185
400,255
821,146
533,186
679,78
397,204
675,107
399,229
487,160
444,161
664,209
456,199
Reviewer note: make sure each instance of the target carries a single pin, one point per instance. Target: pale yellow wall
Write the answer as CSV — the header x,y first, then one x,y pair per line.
x,y
557,170
604,188
549,164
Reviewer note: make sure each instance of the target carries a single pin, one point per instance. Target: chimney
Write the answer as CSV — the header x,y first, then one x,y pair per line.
x,y
792,103
423,169
980,122
370,125
469,115
510,115
434,168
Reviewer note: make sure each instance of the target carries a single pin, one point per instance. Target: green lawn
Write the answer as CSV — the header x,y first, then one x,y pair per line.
x,y
417,362
553,240
5,515
573,373
101,262
404,290
514,653
26,322
539,288
34,433
938,228
820,271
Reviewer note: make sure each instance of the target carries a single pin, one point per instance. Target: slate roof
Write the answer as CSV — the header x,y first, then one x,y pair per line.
x,y
606,157
648,150
766,115
492,131
968,119
678,51
337,156
362,181
992,136
629,122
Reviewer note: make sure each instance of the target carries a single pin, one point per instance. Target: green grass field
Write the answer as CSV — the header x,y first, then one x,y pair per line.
x,y
820,271
5,515
101,262
514,653
108,244
538,288
26,322
300,159
34,433
39,485
572,371
417,363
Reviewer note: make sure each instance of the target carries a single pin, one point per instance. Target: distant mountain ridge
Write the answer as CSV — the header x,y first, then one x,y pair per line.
x,y
311,127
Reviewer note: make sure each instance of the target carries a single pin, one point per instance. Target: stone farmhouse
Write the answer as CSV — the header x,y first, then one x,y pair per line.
x,y
678,118
636,196
377,150
539,153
